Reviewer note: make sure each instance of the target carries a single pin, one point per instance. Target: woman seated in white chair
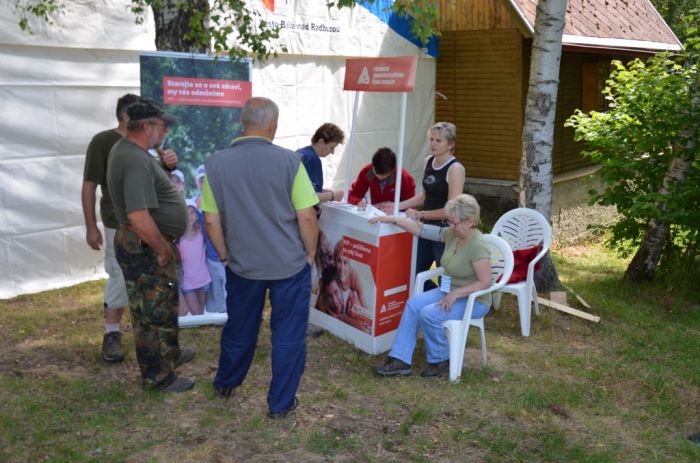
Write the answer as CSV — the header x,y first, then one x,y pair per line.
x,y
467,265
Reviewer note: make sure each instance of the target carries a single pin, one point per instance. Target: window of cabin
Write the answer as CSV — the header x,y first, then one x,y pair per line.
x,y
593,77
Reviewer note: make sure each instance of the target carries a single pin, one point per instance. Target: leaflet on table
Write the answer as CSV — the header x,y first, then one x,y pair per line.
x,y
368,211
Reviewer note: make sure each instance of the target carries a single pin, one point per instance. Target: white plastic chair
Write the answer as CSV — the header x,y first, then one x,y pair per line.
x,y
523,228
457,330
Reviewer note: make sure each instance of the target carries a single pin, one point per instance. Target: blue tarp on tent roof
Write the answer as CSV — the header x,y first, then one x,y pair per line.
x,y
399,24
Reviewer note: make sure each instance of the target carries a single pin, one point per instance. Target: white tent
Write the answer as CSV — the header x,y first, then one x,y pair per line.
x,y
59,87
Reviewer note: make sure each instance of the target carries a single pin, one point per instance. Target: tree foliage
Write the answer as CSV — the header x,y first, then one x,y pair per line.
x,y
45,10
674,13
653,120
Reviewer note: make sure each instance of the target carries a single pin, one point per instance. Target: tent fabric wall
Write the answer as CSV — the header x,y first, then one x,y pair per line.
x,y
59,88
46,120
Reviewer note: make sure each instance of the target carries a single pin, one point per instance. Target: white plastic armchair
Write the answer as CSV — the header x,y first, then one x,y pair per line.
x,y
457,330
523,228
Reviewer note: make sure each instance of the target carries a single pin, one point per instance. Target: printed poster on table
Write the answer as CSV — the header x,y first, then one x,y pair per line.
x,y
206,96
360,280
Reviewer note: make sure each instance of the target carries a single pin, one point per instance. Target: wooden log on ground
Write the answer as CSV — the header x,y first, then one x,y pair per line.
x,y
569,310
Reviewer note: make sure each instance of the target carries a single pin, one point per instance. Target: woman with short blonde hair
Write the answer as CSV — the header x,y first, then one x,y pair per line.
x,y
467,265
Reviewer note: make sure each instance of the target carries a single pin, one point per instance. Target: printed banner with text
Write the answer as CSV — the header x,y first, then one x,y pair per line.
x,y
381,74
206,97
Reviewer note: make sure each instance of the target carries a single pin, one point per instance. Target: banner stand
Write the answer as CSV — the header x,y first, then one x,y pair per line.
x,y
364,272
206,95
396,74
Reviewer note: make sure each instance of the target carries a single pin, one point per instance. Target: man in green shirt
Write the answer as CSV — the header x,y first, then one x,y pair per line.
x,y
95,173
152,214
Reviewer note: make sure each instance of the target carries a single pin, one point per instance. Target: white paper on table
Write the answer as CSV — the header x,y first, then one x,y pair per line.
x,y
371,211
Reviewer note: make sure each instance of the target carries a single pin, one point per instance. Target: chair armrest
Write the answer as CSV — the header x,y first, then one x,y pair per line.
x,y
472,297
422,277
533,262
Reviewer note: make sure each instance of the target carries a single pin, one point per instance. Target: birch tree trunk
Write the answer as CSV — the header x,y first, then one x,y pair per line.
x,y
173,22
538,131
645,262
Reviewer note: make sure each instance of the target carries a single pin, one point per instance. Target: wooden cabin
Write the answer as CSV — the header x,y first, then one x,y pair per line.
x,y
483,72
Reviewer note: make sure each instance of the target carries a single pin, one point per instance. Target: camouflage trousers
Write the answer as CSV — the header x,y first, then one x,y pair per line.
x,y
153,300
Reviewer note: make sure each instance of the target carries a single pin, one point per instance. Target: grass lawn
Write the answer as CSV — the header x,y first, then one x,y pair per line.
x,y
624,390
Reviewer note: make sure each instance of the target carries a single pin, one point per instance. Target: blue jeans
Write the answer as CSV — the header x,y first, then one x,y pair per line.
x,y
423,312
427,252
245,301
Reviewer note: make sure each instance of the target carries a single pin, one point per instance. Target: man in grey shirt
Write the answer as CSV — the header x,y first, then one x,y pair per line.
x,y
259,212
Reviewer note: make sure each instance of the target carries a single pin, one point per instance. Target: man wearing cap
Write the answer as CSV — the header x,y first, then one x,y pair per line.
x,y
259,208
95,173
152,214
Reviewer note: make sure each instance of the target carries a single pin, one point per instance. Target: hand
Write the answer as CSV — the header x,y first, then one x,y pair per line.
x,y
339,195
386,207
362,204
413,214
93,236
382,219
164,259
309,258
168,158
447,301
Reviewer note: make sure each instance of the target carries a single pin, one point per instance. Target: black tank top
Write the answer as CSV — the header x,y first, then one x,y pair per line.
x,y
435,187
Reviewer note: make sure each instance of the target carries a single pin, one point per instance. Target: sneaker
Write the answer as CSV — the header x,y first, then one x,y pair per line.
x,y
112,347
180,384
186,355
224,392
280,415
435,370
393,367
313,331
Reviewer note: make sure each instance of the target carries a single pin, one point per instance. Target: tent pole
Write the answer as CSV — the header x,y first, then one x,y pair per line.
x,y
351,145
399,164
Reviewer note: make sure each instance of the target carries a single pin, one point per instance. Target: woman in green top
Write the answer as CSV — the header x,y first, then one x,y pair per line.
x,y
467,265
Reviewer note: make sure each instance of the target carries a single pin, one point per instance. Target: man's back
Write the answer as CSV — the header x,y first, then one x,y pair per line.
x,y
252,183
258,203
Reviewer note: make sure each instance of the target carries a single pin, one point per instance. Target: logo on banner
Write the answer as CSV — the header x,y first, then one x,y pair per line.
x,y
383,309
397,74
364,77
269,4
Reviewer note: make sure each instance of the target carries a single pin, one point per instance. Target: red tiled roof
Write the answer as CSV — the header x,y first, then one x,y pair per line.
x,y
613,23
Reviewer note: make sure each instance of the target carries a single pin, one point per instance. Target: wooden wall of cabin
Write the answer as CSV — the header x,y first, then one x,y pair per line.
x,y
472,15
480,89
482,75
